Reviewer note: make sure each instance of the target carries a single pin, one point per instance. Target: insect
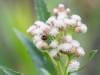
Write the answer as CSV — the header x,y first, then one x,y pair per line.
x,y
44,37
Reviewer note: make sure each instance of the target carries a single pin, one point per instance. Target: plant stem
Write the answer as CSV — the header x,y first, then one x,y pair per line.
x,y
65,59
66,66
59,68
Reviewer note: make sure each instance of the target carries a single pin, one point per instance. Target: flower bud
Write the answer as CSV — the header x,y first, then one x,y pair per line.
x,y
55,11
79,52
61,7
76,17
64,48
53,44
67,38
54,54
75,43
41,45
67,11
36,38
31,29
54,32
72,50
78,30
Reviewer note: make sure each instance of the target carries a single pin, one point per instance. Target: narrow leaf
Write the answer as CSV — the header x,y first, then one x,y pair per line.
x,y
92,53
41,10
9,71
47,55
45,71
37,57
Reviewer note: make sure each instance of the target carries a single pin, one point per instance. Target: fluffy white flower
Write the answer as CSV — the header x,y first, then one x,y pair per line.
x,y
38,31
41,45
38,44
59,23
72,22
76,17
54,32
75,43
83,28
36,38
79,23
39,23
53,53
74,65
68,38
51,21
67,21
62,15
80,51
53,44
65,47
44,27
31,29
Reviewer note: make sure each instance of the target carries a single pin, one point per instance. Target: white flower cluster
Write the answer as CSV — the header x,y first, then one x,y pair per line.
x,y
74,65
60,29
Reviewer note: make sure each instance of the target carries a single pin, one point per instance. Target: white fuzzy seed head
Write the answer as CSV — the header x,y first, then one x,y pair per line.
x,y
53,44
54,32
74,65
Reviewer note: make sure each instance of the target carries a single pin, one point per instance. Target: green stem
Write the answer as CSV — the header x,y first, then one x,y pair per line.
x,y
66,66
65,57
59,68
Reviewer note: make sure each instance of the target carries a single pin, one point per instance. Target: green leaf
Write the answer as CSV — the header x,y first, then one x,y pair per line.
x,y
9,71
47,55
37,57
92,53
41,10
45,71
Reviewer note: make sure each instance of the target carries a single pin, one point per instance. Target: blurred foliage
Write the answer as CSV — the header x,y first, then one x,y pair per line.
x,y
21,14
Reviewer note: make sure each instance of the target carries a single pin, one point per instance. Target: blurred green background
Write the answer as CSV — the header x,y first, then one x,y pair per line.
x,y
21,14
